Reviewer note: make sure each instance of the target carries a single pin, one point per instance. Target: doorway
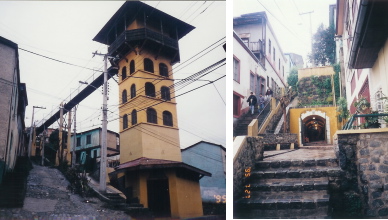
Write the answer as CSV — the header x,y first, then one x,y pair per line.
x,y
158,195
314,130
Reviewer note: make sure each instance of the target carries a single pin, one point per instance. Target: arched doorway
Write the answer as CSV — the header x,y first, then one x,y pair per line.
x,y
314,130
314,126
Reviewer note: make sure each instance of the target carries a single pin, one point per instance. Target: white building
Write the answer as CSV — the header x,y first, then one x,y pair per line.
x,y
362,28
258,60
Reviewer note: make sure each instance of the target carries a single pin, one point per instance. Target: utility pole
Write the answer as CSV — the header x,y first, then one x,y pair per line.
x,y
68,134
311,31
104,126
32,121
44,142
74,139
59,152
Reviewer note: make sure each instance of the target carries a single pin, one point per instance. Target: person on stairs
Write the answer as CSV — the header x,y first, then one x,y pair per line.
x,y
261,102
252,100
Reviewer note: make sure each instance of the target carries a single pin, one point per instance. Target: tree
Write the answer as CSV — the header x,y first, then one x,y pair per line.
x,y
323,48
292,78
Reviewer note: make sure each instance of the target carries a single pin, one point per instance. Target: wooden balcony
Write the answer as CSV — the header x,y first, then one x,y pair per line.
x,y
144,38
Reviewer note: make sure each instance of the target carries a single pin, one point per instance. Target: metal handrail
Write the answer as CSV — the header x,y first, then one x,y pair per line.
x,y
349,123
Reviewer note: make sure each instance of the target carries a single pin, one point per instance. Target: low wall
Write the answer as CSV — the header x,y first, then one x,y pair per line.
x,y
250,150
363,155
283,138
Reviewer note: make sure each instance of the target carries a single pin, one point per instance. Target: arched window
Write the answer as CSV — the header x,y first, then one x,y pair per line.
x,y
124,96
133,91
163,70
165,93
125,121
131,67
148,65
134,117
124,73
167,118
149,89
152,116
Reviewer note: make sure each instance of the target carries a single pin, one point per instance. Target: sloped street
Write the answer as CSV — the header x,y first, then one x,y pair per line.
x,y
47,197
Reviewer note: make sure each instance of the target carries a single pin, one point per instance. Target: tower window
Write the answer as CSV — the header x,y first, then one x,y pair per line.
x,y
163,70
124,73
125,121
150,89
124,96
133,91
148,65
134,117
152,116
167,118
166,93
131,67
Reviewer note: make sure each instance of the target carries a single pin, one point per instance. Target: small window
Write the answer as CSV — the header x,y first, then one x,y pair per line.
x,y
131,67
125,121
134,116
236,70
150,89
148,65
152,116
163,69
269,45
124,73
167,118
124,96
133,91
273,54
89,139
165,93
78,141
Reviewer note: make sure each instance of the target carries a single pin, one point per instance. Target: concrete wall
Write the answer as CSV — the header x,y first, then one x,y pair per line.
x,y
315,71
210,158
363,155
248,151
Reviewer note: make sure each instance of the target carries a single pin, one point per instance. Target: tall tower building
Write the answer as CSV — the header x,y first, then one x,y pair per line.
x,y
144,41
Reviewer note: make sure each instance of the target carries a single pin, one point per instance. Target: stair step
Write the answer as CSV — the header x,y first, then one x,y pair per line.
x,y
298,184
285,204
330,162
296,173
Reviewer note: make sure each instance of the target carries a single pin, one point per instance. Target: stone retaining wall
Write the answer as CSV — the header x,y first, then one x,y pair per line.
x,y
363,155
250,151
279,138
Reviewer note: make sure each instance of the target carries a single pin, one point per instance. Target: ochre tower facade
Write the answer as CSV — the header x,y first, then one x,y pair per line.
x,y
148,115
144,44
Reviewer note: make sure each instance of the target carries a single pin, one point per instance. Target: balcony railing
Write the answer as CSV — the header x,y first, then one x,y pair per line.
x,y
141,34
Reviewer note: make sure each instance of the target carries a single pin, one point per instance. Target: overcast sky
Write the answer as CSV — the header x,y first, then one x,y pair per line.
x,y
291,29
64,31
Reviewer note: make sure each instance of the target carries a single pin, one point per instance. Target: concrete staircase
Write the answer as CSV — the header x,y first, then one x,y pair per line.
x,y
242,124
294,188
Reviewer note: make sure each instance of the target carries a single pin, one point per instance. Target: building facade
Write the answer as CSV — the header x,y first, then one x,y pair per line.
x,y
13,103
210,157
88,147
253,35
151,170
362,33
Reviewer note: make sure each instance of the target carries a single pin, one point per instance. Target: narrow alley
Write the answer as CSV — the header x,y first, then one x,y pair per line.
x,y
47,197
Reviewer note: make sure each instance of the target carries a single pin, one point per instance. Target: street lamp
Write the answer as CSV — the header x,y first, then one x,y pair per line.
x,y
32,121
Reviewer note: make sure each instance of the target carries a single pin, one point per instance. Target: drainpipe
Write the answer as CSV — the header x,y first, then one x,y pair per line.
x,y
357,38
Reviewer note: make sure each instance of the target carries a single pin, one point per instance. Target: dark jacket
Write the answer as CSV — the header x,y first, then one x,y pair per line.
x,y
252,100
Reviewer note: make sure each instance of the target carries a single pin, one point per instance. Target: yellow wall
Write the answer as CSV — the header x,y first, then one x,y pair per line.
x,y
295,115
315,71
149,140
185,197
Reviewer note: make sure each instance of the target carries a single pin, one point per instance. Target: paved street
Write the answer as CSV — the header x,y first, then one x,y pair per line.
x,y
303,153
48,198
